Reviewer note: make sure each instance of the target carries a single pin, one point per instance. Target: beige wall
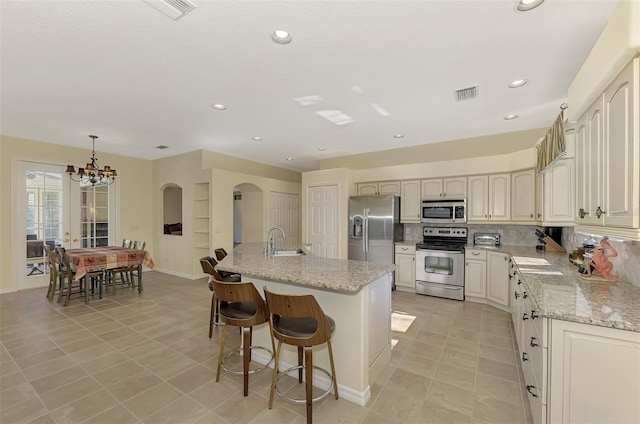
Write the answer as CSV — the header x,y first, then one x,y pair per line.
x,y
468,148
135,197
618,43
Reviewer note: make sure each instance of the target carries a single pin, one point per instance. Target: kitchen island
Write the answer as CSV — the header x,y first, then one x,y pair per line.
x,y
356,294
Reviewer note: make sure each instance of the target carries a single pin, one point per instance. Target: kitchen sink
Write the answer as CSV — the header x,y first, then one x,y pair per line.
x,y
297,252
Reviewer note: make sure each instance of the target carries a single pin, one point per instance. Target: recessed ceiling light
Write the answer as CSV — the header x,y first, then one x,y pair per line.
x,y
525,5
218,106
518,83
398,135
162,147
510,117
281,36
289,159
322,149
256,138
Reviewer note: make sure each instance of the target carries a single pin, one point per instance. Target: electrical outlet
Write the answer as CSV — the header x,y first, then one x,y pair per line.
x,y
501,232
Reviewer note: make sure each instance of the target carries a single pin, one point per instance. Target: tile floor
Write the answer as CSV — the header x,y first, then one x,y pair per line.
x,y
146,358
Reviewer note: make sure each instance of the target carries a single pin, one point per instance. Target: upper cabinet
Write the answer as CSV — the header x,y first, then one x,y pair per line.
x,y
383,187
439,188
523,195
410,202
607,156
489,198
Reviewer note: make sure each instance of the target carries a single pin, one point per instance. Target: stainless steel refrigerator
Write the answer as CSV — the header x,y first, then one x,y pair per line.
x,y
374,227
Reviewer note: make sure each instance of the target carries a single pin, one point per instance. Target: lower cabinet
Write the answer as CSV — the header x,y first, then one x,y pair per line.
x,y
573,372
405,261
498,278
475,274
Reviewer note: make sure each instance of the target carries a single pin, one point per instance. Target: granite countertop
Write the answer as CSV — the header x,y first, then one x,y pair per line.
x,y
339,275
560,294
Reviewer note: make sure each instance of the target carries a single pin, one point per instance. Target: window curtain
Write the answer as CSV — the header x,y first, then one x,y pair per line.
x,y
552,147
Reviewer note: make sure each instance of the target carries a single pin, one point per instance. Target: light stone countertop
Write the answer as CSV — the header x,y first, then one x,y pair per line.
x,y
567,297
338,275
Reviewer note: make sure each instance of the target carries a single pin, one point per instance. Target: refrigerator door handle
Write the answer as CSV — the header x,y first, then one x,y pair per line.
x,y
365,238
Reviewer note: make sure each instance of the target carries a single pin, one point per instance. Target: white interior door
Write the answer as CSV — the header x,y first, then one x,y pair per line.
x,y
285,214
322,220
45,211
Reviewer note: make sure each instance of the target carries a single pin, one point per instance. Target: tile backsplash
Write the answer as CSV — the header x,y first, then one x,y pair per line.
x,y
626,265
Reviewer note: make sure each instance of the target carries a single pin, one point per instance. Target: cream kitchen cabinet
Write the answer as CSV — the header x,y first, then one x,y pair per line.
x,y
405,261
594,374
475,274
523,195
410,202
498,279
489,198
441,188
382,187
555,199
607,156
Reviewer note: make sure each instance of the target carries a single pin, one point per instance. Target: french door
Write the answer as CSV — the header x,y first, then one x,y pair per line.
x,y
50,209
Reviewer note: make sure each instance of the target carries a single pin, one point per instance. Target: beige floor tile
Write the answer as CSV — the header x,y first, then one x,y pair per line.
x,y
283,416
16,394
118,373
192,378
374,418
184,410
498,369
68,393
170,368
152,400
497,341
434,413
49,367
43,419
242,409
58,379
338,411
116,415
451,397
407,380
460,359
92,352
103,362
130,387
488,386
460,377
466,346
490,411
418,364
84,408
37,344
23,412
497,354
464,334
8,368
426,350
37,358
128,341
398,404
212,394
212,418
115,333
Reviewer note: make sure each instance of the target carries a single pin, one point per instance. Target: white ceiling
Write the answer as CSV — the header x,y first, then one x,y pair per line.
x,y
138,79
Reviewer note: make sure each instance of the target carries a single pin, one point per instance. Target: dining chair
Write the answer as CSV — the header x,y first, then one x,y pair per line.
x,y
126,274
68,281
53,273
220,253
126,243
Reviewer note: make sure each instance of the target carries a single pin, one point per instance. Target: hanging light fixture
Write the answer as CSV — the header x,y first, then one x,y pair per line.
x,y
91,173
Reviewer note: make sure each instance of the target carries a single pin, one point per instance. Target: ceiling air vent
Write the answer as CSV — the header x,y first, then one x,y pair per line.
x,y
175,9
466,93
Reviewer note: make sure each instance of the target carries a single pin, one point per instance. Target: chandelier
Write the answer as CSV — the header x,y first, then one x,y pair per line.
x,y
91,173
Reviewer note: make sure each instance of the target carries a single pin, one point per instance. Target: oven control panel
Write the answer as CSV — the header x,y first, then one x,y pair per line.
x,y
453,232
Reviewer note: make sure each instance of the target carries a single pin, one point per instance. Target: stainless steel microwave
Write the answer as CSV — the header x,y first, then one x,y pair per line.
x,y
444,211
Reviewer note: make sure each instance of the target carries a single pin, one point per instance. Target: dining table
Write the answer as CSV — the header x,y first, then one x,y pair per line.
x,y
92,259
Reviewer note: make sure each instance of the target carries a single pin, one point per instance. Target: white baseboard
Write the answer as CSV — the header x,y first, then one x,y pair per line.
x,y
179,274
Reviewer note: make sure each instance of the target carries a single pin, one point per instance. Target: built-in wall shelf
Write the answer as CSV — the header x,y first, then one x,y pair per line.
x,y
201,227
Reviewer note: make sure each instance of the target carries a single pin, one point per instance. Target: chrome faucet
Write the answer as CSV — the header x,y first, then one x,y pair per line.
x,y
271,240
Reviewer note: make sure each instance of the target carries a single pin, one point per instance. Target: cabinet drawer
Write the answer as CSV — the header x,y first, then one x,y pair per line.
x,y
406,249
475,254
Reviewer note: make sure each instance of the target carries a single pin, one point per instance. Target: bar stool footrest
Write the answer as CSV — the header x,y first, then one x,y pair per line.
x,y
302,401
238,351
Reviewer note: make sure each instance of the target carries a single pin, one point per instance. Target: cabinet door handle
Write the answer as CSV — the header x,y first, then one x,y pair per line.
x,y
525,295
506,258
534,315
531,216
519,281
539,215
475,253
489,216
582,213
533,343
485,215
525,357
529,389
600,212
525,317
516,294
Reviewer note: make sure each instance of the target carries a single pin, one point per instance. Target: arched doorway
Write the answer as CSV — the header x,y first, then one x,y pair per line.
x,y
248,214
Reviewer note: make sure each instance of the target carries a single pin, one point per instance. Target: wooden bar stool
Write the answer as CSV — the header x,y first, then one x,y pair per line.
x,y
208,267
298,320
242,306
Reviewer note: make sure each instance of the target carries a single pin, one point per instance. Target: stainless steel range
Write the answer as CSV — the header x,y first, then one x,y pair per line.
x,y
440,262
